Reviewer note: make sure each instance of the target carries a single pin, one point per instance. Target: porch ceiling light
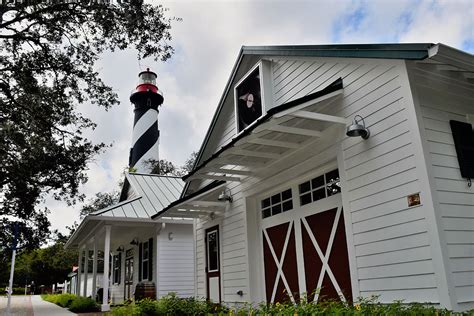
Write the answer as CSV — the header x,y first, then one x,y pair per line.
x,y
225,197
134,242
357,128
120,249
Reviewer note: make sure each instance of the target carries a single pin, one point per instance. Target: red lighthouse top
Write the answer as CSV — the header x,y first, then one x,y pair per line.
x,y
147,89
147,81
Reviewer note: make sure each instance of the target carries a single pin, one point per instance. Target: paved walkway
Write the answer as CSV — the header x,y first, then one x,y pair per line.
x,y
31,306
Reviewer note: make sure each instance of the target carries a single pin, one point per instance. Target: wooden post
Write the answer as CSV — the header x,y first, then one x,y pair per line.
x,y
105,279
86,269
78,280
94,270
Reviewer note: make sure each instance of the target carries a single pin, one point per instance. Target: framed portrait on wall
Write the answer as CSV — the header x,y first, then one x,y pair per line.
x,y
248,99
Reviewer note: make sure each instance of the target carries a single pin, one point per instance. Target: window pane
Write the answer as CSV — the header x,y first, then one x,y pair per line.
x,y
285,195
305,199
317,182
319,194
266,213
288,205
145,270
145,250
332,175
276,198
213,251
266,203
305,187
276,209
333,184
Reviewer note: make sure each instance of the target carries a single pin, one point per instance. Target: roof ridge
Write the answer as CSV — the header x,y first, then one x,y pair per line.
x,y
114,206
153,175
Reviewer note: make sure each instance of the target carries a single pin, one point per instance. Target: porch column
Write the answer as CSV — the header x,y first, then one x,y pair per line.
x,y
78,280
94,269
105,279
86,269
156,258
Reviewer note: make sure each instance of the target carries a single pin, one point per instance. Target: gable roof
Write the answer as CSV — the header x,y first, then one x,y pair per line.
x,y
412,51
153,193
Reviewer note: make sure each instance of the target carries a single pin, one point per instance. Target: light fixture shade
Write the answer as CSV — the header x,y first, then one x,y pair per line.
x,y
224,197
357,128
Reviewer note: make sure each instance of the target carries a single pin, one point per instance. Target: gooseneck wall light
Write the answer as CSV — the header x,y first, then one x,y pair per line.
x,y
225,196
357,128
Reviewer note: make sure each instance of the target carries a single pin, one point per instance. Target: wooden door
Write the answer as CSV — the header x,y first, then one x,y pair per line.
x,y
325,256
305,251
128,278
281,270
213,274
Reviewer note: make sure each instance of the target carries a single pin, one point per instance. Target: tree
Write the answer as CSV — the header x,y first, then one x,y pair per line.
x,y
100,201
49,49
189,164
167,168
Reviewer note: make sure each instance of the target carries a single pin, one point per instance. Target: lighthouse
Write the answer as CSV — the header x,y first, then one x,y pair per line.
x,y
146,98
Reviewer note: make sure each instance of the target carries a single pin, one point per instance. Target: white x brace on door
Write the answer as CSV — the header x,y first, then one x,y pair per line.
x,y
305,251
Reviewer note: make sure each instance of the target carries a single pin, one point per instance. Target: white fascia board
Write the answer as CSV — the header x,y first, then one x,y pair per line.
x,y
449,55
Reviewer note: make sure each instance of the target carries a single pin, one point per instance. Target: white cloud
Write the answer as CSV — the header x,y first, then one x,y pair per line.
x,y
207,42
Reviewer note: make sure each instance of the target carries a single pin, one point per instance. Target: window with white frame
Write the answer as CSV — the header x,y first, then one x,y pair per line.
x,y
277,203
320,187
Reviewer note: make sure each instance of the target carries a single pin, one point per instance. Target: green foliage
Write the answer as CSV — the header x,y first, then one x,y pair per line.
x,y
167,168
172,305
44,266
83,305
47,71
75,303
18,291
63,300
100,201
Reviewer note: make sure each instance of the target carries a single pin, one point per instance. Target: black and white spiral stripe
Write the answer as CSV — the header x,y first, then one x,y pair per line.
x,y
145,138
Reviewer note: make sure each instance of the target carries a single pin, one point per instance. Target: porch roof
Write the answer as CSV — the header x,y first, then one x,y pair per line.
x,y
152,194
280,133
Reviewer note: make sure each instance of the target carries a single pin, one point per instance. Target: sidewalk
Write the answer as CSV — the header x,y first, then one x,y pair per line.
x,y
31,306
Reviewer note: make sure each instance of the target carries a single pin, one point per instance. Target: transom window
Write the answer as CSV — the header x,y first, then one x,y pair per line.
x,y
280,202
320,187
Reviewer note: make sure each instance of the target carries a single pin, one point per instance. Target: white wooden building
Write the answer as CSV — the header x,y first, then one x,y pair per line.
x,y
285,203
141,249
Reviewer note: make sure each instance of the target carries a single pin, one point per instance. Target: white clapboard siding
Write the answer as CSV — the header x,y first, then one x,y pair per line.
x,y
233,251
442,100
380,173
392,247
176,260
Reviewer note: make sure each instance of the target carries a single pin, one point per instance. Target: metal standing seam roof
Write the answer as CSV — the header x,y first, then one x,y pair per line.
x,y
154,192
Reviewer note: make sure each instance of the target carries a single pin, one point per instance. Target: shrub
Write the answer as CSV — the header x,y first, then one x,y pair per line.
x,y
65,300
83,305
173,305
127,310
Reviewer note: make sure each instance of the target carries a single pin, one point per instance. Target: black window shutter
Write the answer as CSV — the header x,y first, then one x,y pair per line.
x,y
119,267
140,246
150,259
111,259
463,137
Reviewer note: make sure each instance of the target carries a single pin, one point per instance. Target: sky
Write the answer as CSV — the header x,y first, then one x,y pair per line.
x,y
207,42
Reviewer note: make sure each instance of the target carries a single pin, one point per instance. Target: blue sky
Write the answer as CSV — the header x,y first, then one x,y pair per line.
x,y
207,42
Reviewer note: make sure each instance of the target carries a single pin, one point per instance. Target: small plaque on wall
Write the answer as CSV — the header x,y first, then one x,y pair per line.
x,y
414,199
